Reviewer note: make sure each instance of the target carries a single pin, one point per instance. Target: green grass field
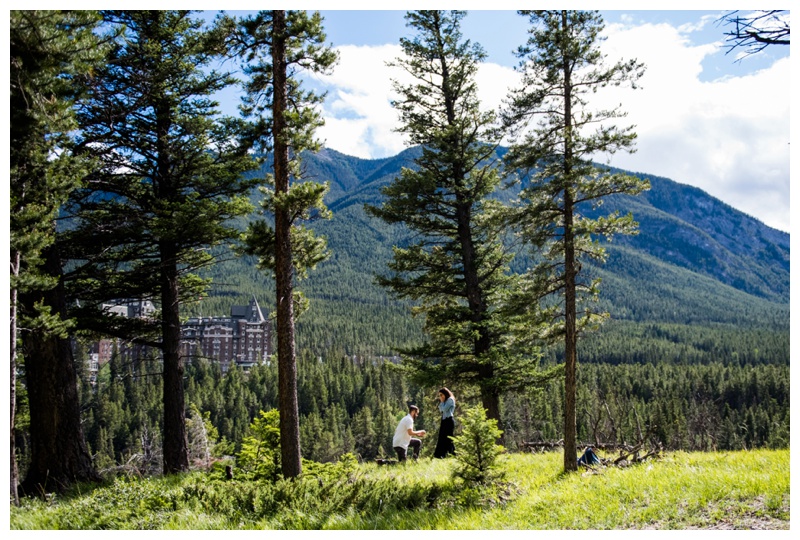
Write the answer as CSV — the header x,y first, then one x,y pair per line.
x,y
723,490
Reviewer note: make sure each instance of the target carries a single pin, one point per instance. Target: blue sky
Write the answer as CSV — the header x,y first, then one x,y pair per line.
x,y
703,118
380,27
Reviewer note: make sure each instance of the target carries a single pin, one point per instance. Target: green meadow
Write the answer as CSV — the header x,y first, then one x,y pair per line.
x,y
713,490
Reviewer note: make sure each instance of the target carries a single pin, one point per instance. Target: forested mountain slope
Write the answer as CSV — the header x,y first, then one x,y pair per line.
x,y
695,262
684,226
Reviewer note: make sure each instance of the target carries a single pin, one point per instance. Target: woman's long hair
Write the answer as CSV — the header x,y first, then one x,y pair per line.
x,y
447,394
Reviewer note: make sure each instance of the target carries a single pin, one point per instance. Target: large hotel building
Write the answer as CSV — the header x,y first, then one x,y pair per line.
x,y
244,338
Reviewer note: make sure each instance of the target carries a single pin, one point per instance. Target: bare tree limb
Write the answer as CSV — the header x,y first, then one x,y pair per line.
x,y
755,31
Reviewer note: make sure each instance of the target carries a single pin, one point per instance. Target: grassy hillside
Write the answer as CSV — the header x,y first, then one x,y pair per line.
x,y
730,490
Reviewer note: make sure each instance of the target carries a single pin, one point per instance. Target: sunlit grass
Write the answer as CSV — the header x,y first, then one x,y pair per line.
x,y
679,491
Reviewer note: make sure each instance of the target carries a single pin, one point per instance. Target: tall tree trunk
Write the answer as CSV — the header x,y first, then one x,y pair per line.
x,y
175,443
477,306
59,456
570,309
473,290
13,338
291,464
490,399
570,343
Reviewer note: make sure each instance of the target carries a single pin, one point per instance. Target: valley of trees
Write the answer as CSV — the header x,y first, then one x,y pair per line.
x,y
714,399
126,182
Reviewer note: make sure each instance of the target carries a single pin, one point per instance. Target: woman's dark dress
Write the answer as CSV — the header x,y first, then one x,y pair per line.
x,y
444,445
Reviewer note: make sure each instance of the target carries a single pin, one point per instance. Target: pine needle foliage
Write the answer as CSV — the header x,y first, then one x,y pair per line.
x,y
260,457
455,267
169,186
477,452
50,51
277,44
557,135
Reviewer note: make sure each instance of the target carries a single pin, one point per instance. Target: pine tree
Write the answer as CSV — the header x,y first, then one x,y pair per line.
x,y
49,49
457,269
277,44
260,455
170,184
561,65
476,451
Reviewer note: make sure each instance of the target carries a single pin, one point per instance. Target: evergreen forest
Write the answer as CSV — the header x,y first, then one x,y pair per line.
x,y
681,321
688,361
349,405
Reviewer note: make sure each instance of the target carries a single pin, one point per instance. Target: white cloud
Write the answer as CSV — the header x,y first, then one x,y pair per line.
x,y
359,118
729,137
697,25
493,84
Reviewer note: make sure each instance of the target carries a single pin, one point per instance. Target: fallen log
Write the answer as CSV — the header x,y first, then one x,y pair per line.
x,y
628,454
543,444
560,443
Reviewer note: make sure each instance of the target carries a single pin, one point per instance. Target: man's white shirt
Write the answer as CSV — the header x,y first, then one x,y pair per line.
x,y
401,436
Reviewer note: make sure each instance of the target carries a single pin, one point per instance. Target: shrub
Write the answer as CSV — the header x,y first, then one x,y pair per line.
x,y
331,472
260,457
476,448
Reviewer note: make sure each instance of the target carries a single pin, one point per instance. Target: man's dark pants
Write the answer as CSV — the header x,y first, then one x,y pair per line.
x,y
415,444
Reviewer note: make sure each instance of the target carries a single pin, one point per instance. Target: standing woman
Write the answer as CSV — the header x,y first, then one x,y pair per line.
x,y
447,406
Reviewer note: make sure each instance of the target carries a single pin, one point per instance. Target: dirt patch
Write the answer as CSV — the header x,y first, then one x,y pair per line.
x,y
747,523
755,517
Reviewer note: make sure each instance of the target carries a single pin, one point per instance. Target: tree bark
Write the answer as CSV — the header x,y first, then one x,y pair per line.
x,y
175,443
570,308
477,306
291,464
491,402
570,344
59,456
13,380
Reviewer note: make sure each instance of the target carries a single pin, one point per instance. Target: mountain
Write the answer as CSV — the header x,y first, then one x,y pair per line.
x,y
696,262
686,227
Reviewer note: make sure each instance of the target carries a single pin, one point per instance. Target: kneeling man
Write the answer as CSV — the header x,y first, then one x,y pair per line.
x,y
404,435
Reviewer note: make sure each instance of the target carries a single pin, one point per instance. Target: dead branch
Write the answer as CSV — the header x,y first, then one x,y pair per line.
x,y
627,454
